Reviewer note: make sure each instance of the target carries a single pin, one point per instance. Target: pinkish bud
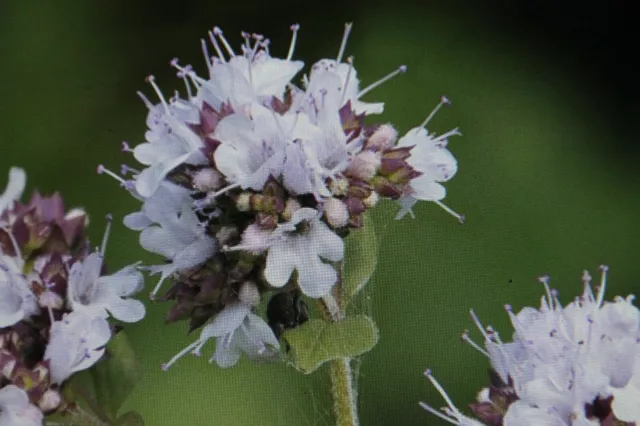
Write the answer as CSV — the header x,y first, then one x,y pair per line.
x,y
336,213
207,180
290,207
364,165
382,139
50,299
50,400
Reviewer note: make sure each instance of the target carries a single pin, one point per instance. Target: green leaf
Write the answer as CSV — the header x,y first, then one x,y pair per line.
x,y
360,259
318,341
130,418
115,377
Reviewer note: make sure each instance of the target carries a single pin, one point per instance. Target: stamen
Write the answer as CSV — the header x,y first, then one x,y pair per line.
x,y
346,81
152,81
442,392
545,281
126,147
461,218
226,189
445,136
603,285
217,31
205,52
102,169
443,101
105,237
479,325
216,46
124,169
145,100
345,37
155,290
179,355
294,28
265,45
465,338
402,69
437,413
51,318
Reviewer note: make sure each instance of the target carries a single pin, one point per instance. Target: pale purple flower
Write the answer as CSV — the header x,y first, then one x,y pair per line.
x,y
17,300
564,358
305,250
16,410
98,295
76,343
171,228
237,330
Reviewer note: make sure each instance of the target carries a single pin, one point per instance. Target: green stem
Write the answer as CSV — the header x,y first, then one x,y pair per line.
x,y
344,394
342,383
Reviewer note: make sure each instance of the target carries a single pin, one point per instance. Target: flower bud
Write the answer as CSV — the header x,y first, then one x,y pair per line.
x,y
364,165
371,200
290,208
50,400
207,180
249,294
383,138
336,213
339,186
50,299
243,202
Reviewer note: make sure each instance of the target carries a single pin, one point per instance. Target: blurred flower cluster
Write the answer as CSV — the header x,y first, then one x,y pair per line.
x,y
574,365
250,184
55,300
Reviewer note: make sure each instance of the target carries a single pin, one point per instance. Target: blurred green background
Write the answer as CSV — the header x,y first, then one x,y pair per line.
x,y
547,179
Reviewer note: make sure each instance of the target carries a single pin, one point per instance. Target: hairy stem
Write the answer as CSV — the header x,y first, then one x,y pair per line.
x,y
344,394
342,383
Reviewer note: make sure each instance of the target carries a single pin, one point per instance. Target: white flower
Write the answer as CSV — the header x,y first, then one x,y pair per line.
x,y
170,142
76,343
268,144
304,250
171,228
241,79
237,330
563,358
430,157
16,410
14,189
17,301
100,295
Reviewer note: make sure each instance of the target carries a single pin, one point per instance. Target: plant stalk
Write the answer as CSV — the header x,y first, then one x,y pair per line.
x,y
342,384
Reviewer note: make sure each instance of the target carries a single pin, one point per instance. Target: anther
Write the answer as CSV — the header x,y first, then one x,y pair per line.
x,y
218,32
443,101
216,46
105,237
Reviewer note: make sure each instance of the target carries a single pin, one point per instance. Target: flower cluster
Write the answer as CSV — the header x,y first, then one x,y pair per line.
x,y
251,183
54,302
572,365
